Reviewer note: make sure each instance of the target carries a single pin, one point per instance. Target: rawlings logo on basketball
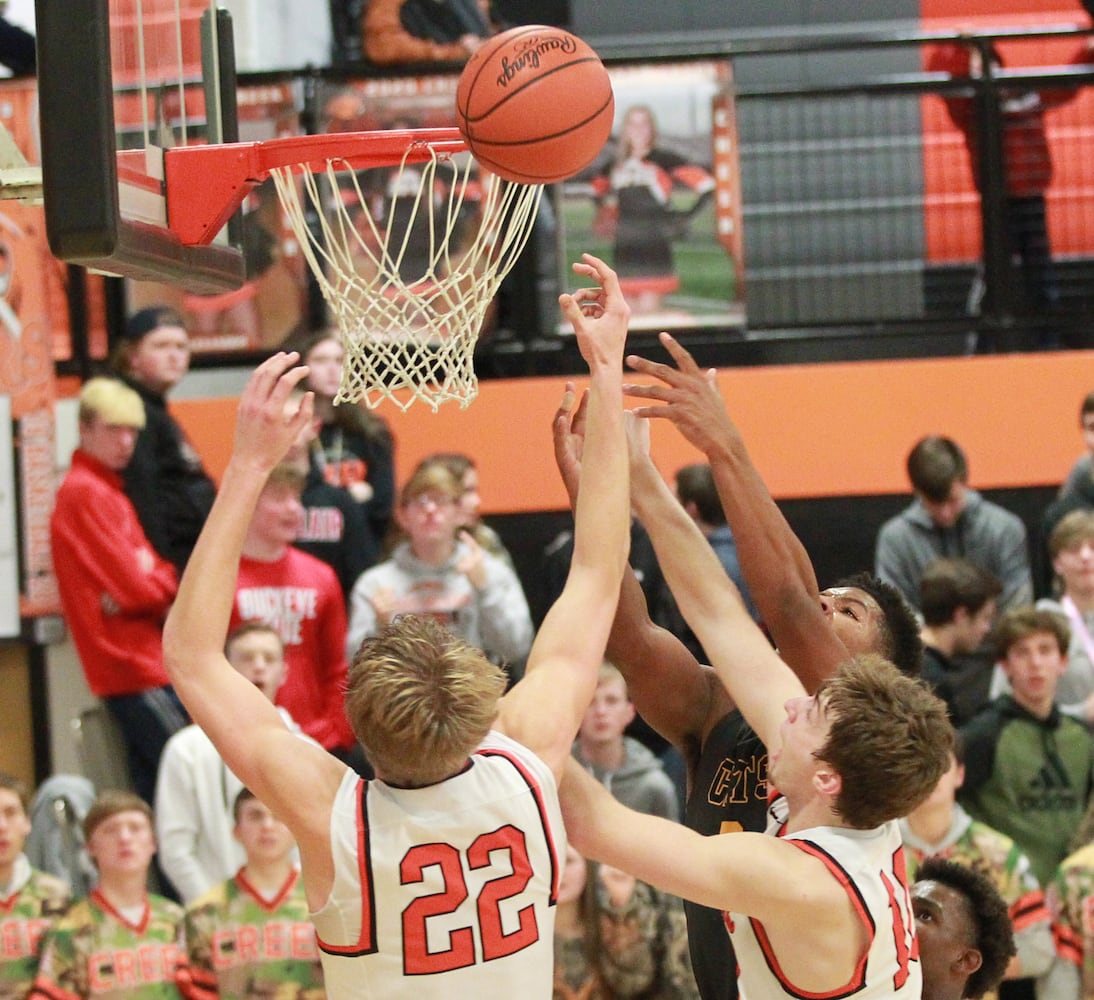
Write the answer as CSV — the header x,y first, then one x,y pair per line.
x,y
528,58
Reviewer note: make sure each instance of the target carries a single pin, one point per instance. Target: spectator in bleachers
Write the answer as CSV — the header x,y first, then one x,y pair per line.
x,y
464,469
1077,491
354,449
618,937
115,589
621,764
30,900
301,598
1027,159
121,941
946,518
165,480
957,600
939,827
440,570
1071,901
414,31
250,936
1028,766
1071,546
195,791
334,527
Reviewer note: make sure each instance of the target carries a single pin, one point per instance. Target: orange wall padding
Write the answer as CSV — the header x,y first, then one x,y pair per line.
x,y
813,430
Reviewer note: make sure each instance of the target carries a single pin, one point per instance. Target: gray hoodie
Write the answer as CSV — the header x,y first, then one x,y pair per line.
x,y
985,534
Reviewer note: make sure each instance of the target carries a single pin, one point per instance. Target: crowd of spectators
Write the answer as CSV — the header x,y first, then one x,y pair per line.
x,y
334,552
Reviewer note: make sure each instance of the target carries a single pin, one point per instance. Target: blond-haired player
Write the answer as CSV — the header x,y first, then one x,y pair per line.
x,y
438,878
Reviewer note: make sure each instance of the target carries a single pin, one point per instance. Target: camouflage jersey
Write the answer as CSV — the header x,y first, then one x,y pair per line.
x,y
242,945
95,951
33,902
1072,898
976,845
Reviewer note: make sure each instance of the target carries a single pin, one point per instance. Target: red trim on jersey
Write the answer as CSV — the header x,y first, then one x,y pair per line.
x,y
1031,908
96,897
1069,944
366,941
537,795
269,905
858,977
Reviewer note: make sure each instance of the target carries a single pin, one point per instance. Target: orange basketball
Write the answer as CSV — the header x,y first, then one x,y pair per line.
x,y
535,104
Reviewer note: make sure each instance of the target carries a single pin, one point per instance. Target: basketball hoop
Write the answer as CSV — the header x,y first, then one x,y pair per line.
x,y
407,240
409,316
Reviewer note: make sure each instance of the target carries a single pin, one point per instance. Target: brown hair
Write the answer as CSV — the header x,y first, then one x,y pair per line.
x,y
18,786
889,740
249,627
949,584
1020,623
110,803
934,465
420,699
245,795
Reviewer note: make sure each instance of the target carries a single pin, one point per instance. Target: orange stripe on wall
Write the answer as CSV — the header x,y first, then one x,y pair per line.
x,y
812,430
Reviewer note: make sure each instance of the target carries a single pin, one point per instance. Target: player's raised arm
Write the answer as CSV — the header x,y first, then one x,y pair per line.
x,y
545,709
773,560
671,690
752,672
244,726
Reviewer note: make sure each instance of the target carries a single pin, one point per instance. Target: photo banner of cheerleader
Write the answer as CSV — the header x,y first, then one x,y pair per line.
x,y
662,203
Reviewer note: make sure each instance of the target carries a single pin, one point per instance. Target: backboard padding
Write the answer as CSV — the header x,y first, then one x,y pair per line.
x,y
102,128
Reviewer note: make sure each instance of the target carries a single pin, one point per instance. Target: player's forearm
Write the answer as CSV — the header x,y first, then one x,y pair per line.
x,y
773,559
193,637
690,565
601,515
748,668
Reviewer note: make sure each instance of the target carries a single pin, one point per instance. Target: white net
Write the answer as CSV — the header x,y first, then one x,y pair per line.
x,y
409,258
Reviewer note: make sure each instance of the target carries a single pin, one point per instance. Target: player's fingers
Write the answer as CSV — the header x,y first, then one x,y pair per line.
x,y
659,392
654,412
578,423
305,412
571,309
684,361
566,404
666,373
607,277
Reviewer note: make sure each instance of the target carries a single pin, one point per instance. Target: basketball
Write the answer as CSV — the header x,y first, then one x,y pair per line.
x,y
535,104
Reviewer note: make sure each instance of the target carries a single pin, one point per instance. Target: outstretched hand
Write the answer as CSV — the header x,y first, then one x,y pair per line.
x,y
266,426
598,314
690,394
568,431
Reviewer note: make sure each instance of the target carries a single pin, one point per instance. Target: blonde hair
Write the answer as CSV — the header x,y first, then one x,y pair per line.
x,y
432,477
285,474
111,401
420,699
610,672
1071,530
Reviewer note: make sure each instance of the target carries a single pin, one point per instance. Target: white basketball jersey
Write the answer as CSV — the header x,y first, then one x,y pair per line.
x,y
446,891
870,866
